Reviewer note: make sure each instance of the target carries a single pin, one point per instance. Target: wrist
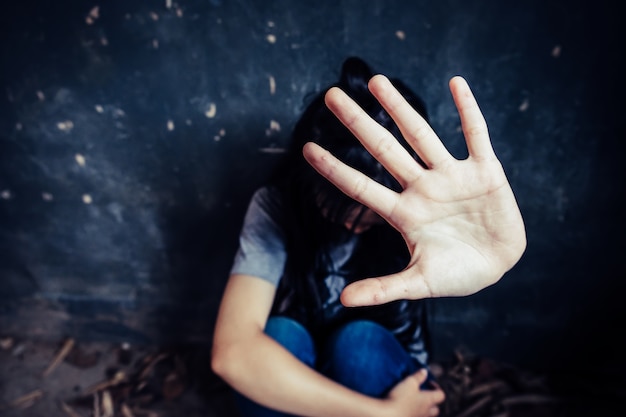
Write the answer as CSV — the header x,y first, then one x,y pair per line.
x,y
381,408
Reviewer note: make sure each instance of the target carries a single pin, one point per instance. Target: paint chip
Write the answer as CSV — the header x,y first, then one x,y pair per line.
x,y
80,160
272,85
274,127
220,135
271,150
400,35
94,14
87,199
524,106
65,126
211,111
271,38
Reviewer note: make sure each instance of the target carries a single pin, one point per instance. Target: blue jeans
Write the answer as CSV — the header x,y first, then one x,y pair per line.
x,y
361,355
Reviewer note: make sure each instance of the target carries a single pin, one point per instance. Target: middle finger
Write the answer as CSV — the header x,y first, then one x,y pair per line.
x,y
414,128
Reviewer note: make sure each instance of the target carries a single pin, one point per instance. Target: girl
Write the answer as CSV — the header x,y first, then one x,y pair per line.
x,y
302,242
283,338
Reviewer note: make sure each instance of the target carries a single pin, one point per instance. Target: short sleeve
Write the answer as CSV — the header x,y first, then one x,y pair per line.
x,y
261,250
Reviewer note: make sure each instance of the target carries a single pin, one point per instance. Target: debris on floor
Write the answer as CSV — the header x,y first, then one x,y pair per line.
x,y
79,379
481,387
108,380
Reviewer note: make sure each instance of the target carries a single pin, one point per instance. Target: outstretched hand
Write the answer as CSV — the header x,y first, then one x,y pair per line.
x,y
459,218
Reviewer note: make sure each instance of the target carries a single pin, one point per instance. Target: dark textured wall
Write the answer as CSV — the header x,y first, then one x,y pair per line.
x,y
133,133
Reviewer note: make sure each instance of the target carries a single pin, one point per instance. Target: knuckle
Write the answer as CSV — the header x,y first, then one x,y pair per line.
x,y
477,130
351,119
359,188
383,146
419,130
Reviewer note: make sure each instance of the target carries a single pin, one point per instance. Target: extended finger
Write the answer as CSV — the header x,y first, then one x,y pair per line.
x,y
381,290
350,181
472,120
377,140
414,128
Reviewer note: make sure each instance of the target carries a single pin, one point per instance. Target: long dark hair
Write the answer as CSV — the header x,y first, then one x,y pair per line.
x,y
306,194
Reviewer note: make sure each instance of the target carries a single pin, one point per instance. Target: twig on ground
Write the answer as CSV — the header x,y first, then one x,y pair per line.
x,y
67,347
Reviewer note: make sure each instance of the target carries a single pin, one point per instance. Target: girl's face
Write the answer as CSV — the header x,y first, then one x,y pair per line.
x,y
364,218
360,219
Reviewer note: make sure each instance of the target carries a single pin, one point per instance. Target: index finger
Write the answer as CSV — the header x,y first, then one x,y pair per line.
x,y
351,182
415,129
472,120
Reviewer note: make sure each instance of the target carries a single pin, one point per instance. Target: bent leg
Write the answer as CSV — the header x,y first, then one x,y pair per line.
x,y
366,357
292,336
297,340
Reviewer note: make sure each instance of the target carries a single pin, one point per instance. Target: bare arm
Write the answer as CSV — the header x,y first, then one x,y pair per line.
x,y
459,219
261,369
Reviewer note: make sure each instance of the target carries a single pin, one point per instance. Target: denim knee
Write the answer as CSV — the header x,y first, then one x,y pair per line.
x,y
292,336
366,357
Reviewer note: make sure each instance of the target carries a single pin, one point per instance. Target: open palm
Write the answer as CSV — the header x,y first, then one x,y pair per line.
x,y
459,219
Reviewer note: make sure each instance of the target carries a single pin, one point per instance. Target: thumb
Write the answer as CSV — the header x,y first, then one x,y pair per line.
x,y
410,383
420,376
380,290
435,395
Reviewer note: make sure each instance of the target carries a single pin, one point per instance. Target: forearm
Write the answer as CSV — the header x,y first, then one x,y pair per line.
x,y
270,375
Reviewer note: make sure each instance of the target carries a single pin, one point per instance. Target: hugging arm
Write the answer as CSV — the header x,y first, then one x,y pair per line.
x,y
262,370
